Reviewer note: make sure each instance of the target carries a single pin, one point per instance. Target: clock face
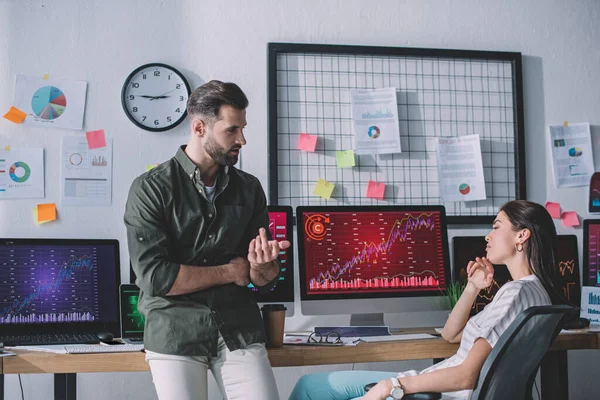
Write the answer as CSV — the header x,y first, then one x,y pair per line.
x,y
154,97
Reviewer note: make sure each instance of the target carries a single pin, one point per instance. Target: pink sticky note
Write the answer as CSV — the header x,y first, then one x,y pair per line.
x,y
553,209
307,142
570,218
375,190
95,139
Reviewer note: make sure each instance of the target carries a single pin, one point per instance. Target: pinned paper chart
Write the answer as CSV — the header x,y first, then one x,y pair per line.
x,y
22,173
51,103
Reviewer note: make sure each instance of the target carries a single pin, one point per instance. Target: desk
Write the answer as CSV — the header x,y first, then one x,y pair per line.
x,y
65,366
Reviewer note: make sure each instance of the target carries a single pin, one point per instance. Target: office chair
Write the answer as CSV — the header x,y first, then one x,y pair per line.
x,y
510,369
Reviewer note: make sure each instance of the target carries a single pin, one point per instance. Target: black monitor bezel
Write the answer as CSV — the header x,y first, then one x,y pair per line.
x,y
288,295
113,327
123,287
586,250
348,296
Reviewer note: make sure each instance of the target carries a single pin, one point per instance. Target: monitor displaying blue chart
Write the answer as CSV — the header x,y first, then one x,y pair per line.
x,y
54,281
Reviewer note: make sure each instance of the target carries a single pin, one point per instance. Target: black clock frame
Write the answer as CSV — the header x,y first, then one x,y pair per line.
x,y
128,81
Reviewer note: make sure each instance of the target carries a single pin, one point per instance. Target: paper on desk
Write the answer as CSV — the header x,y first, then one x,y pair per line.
x,y
7,354
55,348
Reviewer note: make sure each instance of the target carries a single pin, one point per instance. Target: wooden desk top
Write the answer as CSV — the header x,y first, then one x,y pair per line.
x,y
287,356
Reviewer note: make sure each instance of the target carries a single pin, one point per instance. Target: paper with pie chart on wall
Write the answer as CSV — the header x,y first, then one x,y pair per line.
x,y
460,168
21,173
572,158
375,121
86,173
51,103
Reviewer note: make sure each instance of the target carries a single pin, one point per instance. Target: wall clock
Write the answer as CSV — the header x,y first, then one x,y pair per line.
x,y
154,97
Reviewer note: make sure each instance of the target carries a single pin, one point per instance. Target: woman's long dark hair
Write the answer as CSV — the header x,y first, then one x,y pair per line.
x,y
542,244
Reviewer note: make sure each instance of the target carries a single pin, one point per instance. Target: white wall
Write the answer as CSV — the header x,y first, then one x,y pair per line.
x,y
101,42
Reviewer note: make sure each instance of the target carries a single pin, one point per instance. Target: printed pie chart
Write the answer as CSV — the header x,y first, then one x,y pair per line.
x,y
19,172
464,188
48,102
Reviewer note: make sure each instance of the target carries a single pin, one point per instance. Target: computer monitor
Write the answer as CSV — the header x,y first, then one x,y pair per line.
x,y
59,285
591,252
370,260
281,222
466,248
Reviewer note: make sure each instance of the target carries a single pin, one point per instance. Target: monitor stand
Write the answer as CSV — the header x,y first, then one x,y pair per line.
x,y
375,319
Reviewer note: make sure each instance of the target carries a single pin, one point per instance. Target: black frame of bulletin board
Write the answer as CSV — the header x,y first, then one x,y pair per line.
x,y
514,125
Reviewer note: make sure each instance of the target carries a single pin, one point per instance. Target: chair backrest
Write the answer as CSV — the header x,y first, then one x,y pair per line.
x,y
510,369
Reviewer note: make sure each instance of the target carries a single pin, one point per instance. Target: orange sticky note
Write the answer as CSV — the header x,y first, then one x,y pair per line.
x,y
95,139
307,142
570,218
553,209
375,190
15,115
324,189
46,212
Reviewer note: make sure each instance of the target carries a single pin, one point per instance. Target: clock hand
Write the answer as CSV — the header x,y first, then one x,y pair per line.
x,y
146,96
161,96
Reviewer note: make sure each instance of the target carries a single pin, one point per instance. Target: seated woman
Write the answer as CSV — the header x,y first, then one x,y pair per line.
x,y
524,238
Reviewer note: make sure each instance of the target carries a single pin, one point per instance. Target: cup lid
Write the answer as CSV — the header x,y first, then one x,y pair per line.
x,y
273,307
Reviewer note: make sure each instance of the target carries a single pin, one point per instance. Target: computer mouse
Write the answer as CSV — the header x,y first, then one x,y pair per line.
x,y
105,336
578,323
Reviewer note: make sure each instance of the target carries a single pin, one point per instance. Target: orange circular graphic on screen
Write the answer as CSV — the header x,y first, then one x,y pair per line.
x,y
314,227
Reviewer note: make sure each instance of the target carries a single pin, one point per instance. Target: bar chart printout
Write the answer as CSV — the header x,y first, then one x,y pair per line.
x,y
373,252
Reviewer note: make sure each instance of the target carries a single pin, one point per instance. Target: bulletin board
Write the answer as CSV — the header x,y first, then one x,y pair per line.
x,y
439,93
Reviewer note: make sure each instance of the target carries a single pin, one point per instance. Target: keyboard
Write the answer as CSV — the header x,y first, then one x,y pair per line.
x,y
394,338
135,339
98,348
49,338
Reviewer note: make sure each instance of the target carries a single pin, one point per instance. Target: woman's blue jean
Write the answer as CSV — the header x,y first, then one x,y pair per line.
x,y
340,385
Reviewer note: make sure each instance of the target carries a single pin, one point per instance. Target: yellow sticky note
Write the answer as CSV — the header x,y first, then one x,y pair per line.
x,y
150,166
566,123
46,77
345,158
324,189
7,148
46,212
15,115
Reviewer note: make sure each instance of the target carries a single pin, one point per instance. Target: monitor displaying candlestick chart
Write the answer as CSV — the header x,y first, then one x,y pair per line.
x,y
591,252
59,281
365,252
466,248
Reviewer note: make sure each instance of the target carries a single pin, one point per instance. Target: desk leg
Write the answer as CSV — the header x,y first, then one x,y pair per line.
x,y
1,386
65,386
554,376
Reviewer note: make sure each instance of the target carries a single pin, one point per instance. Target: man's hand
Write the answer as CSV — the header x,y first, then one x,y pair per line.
x,y
261,254
239,271
480,273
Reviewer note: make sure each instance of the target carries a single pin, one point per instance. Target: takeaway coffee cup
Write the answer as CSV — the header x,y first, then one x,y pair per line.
x,y
274,320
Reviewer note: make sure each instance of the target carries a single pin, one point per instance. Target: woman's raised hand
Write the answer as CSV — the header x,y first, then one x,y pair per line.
x,y
480,272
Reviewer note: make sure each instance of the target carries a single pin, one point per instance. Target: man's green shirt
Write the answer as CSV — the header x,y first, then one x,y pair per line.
x,y
170,222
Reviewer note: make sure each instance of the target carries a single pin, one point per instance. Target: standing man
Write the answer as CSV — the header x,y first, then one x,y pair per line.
x,y
197,237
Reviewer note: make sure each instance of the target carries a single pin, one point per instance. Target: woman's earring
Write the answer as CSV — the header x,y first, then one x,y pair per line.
x,y
519,247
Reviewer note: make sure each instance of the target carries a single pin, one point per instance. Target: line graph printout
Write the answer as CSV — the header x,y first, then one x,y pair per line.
x,y
53,284
86,174
373,252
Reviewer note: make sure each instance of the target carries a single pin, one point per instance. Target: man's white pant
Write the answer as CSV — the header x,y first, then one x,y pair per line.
x,y
241,374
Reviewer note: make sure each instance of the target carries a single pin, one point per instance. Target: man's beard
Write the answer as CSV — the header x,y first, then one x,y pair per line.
x,y
219,154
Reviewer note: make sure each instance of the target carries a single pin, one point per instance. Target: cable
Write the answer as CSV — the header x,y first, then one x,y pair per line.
x,y
21,385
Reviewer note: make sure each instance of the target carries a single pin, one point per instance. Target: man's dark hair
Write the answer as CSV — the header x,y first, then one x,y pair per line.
x,y
206,101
